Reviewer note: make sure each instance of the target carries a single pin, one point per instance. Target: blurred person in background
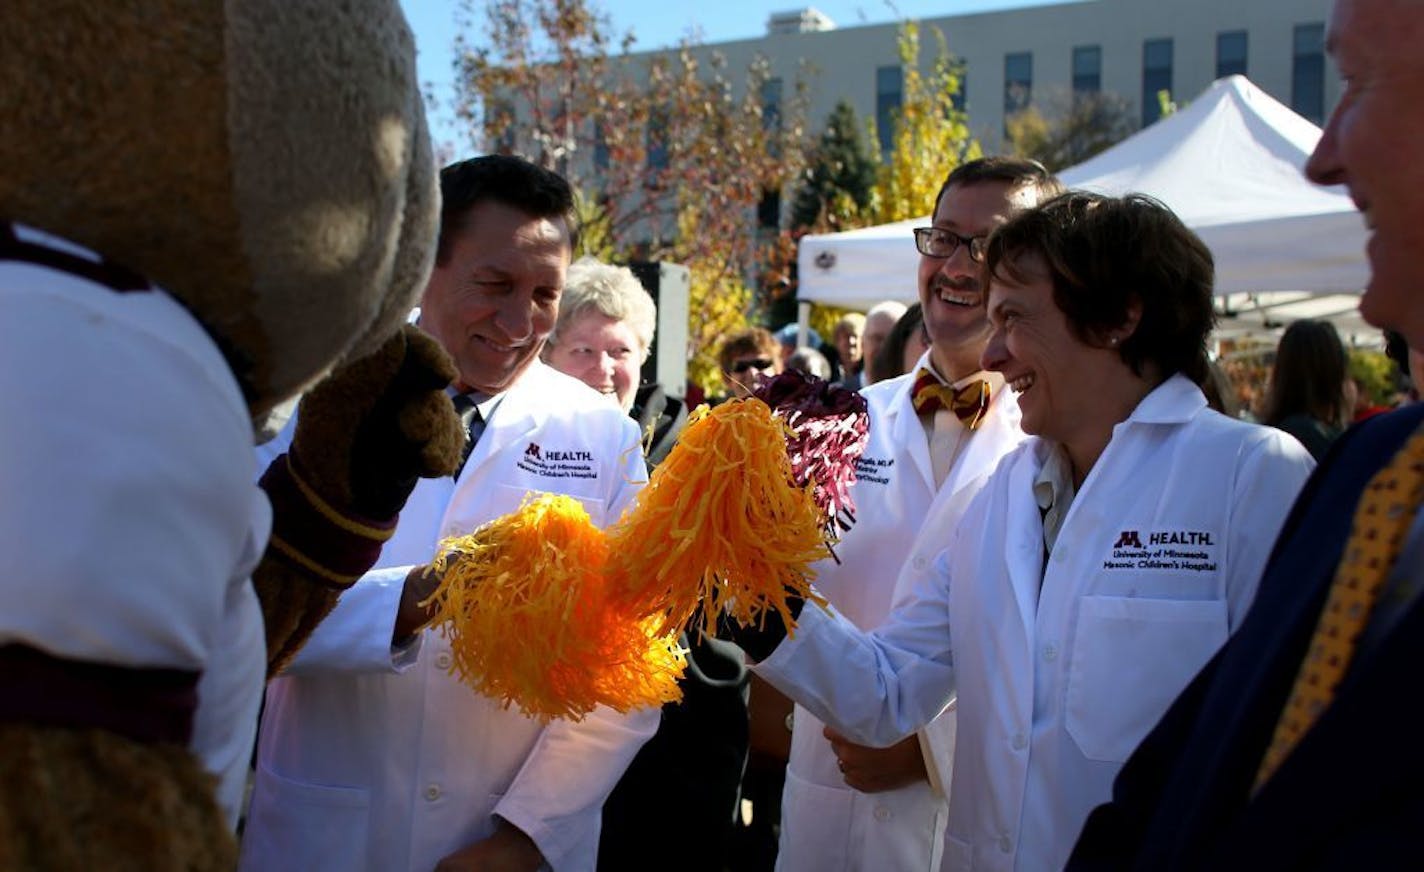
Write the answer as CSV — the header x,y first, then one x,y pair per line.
x,y
789,338
879,321
1307,395
811,362
904,345
603,337
744,355
847,341
1220,395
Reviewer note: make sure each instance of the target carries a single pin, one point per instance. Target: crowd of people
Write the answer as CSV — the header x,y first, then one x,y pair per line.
x,y
1056,531
1083,619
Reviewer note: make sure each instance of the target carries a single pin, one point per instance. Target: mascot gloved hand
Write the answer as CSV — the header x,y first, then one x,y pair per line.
x,y
363,438
205,207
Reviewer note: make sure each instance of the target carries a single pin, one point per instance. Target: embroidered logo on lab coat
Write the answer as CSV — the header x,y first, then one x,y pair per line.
x,y
1128,539
873,469
557,463
1174,549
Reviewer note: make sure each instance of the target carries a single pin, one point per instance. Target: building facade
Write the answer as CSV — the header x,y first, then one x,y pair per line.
x,y
1132,48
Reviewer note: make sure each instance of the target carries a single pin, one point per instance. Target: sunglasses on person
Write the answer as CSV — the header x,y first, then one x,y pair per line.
x,y
742,366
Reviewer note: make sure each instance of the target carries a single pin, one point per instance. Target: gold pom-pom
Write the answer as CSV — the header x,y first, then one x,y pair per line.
x,y
523,601
720,524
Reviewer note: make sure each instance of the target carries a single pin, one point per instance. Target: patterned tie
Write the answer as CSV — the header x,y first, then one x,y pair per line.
x,y
969,403
474,424
1382,521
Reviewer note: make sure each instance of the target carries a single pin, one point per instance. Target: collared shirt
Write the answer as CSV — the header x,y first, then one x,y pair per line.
x,y
1053,491
943,430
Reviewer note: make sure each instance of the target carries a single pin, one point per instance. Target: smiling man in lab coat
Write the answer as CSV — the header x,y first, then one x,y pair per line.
x,y
373,757
847,806
1101,565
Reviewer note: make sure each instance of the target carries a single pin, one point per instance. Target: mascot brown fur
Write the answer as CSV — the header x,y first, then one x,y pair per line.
x,y
204,207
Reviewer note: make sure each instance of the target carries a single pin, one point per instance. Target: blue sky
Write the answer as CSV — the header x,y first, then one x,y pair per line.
x,y
662,23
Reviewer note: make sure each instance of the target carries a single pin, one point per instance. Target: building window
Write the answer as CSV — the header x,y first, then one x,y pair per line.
x,y
960,101
889,89
1087,69
1018,81
657,141
500,126
771,105
1230,53
1156,77
1308,72
601,156
769,209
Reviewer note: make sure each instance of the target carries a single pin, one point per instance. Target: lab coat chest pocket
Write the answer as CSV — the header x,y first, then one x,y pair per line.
x,y
300,826
1131,656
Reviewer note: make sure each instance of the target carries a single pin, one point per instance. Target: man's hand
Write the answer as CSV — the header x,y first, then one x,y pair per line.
x,y
873,770
508,850
420,583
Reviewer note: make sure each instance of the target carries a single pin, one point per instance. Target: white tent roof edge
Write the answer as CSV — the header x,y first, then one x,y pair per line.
x,y
1229,164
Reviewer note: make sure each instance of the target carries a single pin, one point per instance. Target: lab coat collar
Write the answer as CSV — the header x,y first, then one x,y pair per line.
x,y
1175,401
904,426
985,444
519,412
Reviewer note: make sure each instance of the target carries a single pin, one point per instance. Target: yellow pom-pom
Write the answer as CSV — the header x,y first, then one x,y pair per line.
x,y
721,523
523,601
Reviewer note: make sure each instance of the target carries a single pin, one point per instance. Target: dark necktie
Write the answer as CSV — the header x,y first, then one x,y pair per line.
x,y
472,421
968,403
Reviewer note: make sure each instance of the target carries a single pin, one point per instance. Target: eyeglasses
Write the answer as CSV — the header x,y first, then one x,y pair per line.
x,y
742,366
941,243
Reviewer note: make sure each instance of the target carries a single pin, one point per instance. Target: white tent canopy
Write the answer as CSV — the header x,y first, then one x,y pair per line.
x,y
1229,164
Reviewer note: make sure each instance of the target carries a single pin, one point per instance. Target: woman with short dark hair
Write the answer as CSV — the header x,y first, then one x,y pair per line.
x,y
1104,562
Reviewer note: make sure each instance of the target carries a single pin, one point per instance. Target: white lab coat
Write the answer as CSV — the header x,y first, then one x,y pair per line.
x,y
368,760
1058,683
129,517
826,825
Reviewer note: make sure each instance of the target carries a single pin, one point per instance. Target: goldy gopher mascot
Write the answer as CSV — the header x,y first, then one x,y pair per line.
x,y
205,206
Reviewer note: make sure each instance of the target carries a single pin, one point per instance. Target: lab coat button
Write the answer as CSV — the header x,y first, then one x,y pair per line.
x,y
1050,653
1060,554
432,792
1005,845
882,813
920,562
443,660
1020,741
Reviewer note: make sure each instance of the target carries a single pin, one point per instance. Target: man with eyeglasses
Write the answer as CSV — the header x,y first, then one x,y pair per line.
x,y
935,435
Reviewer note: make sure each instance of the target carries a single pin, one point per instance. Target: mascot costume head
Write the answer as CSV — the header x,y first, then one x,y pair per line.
x,y
205,207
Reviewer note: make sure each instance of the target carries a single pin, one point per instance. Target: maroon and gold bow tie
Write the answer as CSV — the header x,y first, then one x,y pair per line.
x,y
969,403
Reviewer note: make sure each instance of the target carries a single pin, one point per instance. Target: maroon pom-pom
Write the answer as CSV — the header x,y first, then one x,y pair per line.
x,y
830,427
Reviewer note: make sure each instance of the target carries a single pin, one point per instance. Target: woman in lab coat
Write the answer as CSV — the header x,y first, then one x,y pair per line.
x,y
1103,564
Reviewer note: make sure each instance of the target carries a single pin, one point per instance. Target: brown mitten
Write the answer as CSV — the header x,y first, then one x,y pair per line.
x,y
364,436
89,799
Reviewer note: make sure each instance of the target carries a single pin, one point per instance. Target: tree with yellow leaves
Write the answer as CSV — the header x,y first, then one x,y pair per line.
x,y
671,152
931,135
930,138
